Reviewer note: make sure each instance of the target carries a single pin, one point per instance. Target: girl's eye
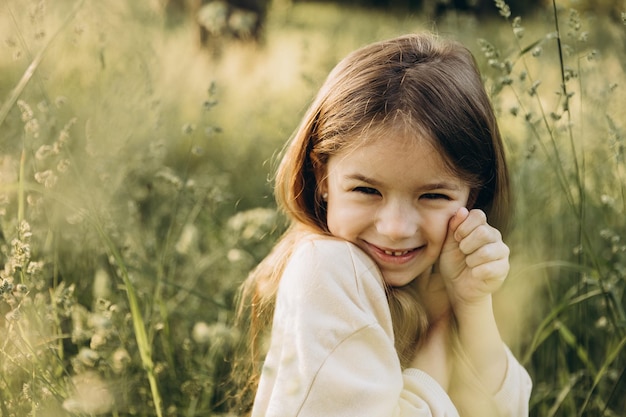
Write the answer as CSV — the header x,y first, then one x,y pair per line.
x,y
366,190
436,196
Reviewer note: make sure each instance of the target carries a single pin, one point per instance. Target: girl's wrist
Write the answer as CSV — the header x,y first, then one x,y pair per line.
x,y
481,341
478,308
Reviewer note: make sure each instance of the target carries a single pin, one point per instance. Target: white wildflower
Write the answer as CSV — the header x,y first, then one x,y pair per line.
x,y
91,395
120,360
201,333
187,239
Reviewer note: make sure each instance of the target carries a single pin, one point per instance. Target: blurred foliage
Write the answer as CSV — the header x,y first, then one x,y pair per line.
x,y
559,97
120,263
135,194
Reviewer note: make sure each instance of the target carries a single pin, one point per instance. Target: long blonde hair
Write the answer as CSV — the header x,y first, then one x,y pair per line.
x,y
432,87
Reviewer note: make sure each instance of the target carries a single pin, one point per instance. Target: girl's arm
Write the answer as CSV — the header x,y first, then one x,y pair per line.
x,y
488,380
332,351
474,263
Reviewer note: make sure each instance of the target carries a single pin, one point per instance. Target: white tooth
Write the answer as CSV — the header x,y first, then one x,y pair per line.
x,y
396,253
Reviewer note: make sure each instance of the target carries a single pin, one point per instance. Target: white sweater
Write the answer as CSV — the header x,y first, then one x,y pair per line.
x,y
332,347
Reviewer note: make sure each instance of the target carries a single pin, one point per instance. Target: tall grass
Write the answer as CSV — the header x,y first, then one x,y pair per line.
x,y
567,143
118,270
134,197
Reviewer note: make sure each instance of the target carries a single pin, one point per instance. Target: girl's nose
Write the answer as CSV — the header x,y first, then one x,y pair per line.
x,y
398,220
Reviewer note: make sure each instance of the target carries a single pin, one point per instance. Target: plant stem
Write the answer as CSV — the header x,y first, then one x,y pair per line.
x,y
141,336
30,71
20,188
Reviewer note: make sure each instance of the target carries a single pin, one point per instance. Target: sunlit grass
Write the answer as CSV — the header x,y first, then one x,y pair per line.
x,y
562,148
134,196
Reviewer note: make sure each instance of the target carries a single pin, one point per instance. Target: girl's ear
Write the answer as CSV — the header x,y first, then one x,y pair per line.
x,y
322,185
322,190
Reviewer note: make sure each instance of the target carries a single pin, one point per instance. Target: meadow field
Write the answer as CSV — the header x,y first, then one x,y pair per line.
x,y
135,195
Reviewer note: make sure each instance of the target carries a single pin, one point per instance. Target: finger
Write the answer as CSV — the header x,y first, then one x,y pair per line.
x,y
494,272
487,253
455,221
482,235
488,287
474,218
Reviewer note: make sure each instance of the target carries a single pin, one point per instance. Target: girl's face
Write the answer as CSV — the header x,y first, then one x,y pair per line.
x,y
393,197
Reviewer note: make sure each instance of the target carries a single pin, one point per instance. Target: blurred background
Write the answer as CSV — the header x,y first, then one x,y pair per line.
x,y
137,146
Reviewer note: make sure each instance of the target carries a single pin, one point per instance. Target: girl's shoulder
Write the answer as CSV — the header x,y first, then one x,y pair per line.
x,y
322,260
330,277
324,249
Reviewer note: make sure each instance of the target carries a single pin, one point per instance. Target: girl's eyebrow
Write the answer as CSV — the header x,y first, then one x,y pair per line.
x,y
442,186
362,178
451,186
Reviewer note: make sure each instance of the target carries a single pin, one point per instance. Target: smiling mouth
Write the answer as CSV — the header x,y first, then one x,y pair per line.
x,y
397,253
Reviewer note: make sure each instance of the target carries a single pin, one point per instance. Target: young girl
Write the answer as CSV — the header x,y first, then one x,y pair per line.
x,y
379,295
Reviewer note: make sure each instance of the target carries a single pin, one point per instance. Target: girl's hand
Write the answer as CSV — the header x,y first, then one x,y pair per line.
x,y
474,260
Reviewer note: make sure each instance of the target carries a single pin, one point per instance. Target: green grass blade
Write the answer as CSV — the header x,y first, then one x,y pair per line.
x,y
141,336
610,358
